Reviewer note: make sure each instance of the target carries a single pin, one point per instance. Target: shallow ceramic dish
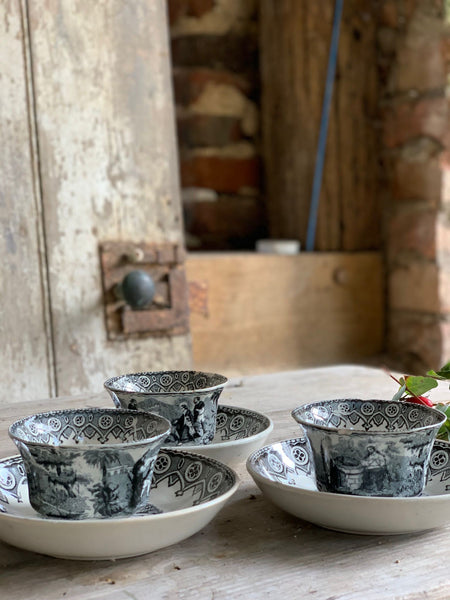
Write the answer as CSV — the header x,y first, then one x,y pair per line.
x,y
284,473
239,432
188,399
187,492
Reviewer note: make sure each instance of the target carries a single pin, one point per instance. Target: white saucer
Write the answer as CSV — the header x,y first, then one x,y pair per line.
x,y
239,432
284,474
187,492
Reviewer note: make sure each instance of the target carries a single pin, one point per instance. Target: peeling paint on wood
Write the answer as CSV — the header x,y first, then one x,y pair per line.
x,y
107,171
26,369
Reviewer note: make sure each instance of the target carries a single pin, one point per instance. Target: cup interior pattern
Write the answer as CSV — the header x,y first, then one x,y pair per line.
x,y
367,415
88,427
165,382
237,424
290,462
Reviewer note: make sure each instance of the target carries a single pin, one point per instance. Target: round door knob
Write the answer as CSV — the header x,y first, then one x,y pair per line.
x,y
137,289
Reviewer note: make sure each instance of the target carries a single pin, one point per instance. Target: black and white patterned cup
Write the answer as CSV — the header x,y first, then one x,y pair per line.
x,y
89,463
188,399
370,447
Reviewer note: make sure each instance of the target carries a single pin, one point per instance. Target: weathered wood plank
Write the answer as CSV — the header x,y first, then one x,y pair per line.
x,y
26,361
267,312
356,108
108,167
252,550
294,46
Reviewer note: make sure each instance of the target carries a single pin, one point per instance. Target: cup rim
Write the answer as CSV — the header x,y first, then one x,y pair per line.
x,y
109,383
307,423
162,421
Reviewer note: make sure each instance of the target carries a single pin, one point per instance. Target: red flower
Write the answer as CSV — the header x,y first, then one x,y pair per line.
x,y
419,400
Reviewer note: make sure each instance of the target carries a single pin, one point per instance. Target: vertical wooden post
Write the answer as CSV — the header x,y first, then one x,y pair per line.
x,y
27,363
295,38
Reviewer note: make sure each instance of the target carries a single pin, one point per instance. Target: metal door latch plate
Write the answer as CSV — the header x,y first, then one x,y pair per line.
x,y
168,314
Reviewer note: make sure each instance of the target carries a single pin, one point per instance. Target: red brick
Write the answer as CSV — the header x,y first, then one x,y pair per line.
x,y
230,223
414,286
405,121
396,14
222,174
415,340
389,13
445,50
419,64
198,8
445,160
416,180
190,83
176,9
445,334
414,232
208,130
444,289
230,52
188,8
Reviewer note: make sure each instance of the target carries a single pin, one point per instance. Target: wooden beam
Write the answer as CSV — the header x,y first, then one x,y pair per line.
x,y
295,38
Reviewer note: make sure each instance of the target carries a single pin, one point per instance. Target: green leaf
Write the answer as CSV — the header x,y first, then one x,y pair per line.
x,y
443,373
435,375
444,430
445,408
418,385
443,435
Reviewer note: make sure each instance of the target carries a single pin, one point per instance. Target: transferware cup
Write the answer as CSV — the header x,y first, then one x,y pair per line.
x,y
89,463
188,399
370,447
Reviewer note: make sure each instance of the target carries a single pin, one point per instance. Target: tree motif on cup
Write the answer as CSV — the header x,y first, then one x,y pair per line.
x,y
51,481
113,493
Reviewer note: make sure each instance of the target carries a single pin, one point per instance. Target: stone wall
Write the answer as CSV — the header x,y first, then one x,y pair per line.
x,y
414,113
216,85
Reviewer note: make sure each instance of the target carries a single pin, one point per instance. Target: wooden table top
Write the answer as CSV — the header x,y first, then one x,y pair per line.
x,y
251,549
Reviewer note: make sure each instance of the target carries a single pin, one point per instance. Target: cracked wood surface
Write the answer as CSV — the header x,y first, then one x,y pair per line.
x,y
251,549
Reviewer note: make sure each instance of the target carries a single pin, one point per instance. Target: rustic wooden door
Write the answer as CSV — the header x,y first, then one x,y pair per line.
x,y
88,156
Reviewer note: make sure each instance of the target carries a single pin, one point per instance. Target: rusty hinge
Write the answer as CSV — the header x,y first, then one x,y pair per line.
x,y
168,313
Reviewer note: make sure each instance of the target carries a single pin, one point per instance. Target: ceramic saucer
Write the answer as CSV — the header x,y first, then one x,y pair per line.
x,y
239,432
187,492
284,473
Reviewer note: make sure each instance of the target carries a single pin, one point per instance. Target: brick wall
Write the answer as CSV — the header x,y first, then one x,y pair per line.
x,y
217,91
414,112
216,87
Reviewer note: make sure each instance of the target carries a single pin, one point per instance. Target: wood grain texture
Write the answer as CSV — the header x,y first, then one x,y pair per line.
x,y
26,362
252,549
108,169
294,46
269,313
